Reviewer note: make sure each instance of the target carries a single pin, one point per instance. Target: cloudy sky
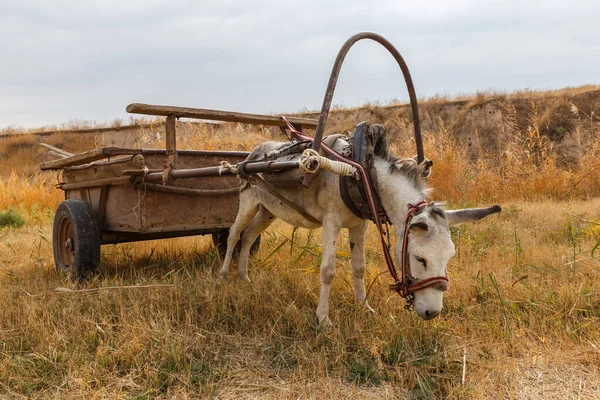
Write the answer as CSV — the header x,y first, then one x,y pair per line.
x,y
63,60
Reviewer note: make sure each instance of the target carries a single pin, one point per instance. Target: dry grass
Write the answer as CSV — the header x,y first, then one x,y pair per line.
x,y
526,170
36,197
524,303
523,306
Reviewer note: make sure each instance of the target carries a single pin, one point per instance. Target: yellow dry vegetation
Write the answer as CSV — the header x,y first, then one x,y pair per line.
x,y
521,317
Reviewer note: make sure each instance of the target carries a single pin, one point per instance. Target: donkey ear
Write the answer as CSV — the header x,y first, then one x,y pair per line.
x,y
456,217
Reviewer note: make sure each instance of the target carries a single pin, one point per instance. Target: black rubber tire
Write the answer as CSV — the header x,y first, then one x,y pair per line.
x,y
76,240
220,241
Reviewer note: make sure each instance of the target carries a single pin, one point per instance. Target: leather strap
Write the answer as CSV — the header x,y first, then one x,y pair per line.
x,y
257,180
364,140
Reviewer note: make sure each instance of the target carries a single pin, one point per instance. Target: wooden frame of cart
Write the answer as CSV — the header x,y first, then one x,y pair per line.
x,y
116,195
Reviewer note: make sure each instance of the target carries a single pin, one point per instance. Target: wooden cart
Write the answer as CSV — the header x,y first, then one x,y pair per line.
x,y
117,195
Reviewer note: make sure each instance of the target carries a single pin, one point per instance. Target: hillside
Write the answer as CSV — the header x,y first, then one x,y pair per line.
x,y
484,126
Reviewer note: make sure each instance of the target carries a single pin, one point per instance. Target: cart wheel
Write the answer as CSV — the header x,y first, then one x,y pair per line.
x,y
76,239
220,240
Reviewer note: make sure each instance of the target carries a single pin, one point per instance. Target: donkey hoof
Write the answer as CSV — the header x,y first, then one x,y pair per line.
x,y
325,323
223,275
244,278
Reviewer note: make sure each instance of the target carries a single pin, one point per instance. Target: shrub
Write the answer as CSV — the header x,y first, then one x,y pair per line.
x,y
11,217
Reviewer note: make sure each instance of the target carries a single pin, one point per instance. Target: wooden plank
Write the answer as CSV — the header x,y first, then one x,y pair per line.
x,y
78,159
120,180
105,152
171,139
57,155
118,151
102,206
57,150
217,115
187,191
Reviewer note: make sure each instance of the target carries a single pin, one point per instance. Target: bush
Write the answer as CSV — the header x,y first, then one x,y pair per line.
x,y
11,217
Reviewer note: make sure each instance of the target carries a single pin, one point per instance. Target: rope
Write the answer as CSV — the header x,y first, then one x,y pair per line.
x,y
143,183
225,166
146,171
311,161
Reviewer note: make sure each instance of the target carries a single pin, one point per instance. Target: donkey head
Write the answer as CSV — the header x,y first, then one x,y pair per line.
x,y
430,248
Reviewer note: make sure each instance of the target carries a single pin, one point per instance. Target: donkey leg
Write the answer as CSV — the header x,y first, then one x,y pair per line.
x,y
357,251
331,230
247,211
261,221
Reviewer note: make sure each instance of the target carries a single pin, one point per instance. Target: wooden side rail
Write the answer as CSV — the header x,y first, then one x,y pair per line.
x,y
78,159
106,152
217,115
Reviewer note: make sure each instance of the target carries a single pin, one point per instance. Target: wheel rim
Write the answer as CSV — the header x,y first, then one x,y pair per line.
x,y
66,246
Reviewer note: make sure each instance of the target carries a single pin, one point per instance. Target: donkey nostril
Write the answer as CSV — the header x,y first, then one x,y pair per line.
x,y
431,314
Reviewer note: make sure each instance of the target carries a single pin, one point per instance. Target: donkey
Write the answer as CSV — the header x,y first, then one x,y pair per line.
x,y
400,183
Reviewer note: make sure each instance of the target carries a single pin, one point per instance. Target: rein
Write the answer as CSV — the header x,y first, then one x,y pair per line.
x,y
402,286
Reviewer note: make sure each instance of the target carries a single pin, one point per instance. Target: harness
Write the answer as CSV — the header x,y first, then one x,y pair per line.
x,y
364,142
404,285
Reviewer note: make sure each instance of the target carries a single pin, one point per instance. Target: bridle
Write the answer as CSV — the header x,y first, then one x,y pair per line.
x,y
407,286
404,285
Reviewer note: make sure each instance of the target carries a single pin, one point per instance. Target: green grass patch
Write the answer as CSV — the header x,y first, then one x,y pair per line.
x,y
363,369
11,217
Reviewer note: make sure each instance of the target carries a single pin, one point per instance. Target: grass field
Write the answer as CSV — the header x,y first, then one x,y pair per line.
x,y
521,317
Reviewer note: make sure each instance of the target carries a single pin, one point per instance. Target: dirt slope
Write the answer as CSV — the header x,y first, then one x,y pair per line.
x,y
487,125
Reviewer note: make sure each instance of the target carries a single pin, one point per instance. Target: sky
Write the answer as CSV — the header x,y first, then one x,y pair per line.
x,y
81,60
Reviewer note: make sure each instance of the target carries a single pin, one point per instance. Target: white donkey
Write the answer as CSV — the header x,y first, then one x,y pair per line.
x,y
400,183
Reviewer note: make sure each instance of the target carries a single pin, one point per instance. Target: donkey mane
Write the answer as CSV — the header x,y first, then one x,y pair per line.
x,y
412,171
409,167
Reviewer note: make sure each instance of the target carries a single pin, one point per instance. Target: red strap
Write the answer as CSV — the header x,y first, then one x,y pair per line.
x,y
412,210
425,283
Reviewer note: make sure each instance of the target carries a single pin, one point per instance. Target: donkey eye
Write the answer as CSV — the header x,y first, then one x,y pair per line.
x,y
422,261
